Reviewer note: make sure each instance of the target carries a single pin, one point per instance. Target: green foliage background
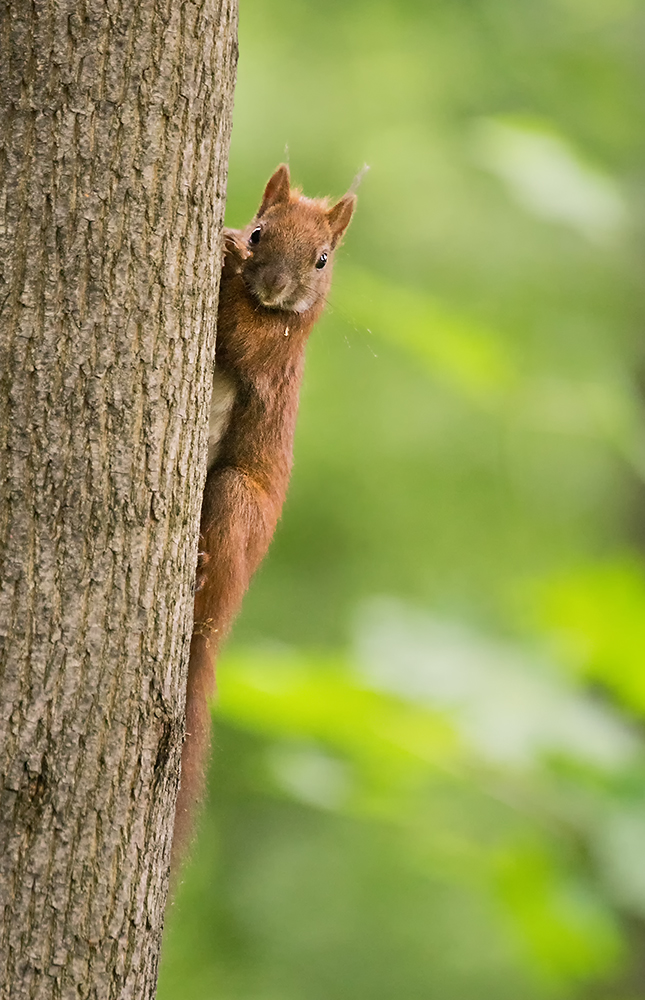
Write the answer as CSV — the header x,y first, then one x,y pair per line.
x,y
428,777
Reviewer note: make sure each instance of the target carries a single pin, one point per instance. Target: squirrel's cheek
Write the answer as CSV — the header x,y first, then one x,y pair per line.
x,y
303,303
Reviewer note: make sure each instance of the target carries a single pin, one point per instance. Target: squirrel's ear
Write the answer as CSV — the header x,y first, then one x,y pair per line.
x,y
340,216
277,189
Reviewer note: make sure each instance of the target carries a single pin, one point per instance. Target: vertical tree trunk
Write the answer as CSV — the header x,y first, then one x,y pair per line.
x,y
114,129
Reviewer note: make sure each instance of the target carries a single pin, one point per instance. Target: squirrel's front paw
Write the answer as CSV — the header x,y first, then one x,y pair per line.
x,y
201,574
235,250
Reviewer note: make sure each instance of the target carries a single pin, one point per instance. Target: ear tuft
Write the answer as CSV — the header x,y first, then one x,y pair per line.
x,y
340,216
277,190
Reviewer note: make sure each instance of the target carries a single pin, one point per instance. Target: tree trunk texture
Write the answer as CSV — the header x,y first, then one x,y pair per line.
x,y
114,131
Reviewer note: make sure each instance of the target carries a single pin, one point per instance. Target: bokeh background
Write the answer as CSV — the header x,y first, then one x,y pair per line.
x,y
428,776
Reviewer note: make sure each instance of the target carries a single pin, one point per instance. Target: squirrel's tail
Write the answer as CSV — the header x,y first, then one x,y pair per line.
x,y
194,756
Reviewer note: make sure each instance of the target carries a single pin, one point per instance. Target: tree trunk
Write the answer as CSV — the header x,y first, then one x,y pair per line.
x,y
114,129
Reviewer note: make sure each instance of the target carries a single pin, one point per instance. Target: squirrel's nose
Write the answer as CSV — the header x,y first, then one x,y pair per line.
x,y
275,286
276,283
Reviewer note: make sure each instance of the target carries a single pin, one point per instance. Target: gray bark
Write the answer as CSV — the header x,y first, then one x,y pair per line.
x,y
114,129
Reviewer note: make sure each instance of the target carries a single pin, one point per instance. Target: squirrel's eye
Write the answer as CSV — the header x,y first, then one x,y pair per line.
x,y
322,260
255,236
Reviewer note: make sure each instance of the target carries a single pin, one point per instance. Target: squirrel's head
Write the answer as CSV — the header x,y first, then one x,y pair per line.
x,y
292,240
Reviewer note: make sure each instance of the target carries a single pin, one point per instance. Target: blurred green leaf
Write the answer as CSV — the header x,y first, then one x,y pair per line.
x,y
568,930
319,699
461,351
597,616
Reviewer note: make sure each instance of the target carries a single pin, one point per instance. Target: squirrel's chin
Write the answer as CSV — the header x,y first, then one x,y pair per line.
x,y
280,303
286,304
276,303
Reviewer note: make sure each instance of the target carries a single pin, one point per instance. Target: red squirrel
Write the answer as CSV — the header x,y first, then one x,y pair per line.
x,y
276,275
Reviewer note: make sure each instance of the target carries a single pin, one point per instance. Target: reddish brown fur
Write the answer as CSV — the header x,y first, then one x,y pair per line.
x,y
247,482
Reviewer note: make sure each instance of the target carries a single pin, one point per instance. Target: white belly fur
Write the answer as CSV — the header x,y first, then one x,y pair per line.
x,y
221,405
